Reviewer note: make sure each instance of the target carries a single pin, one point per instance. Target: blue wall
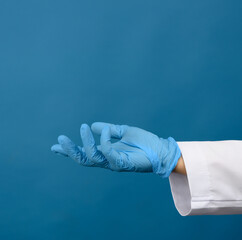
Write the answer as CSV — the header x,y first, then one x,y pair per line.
x,y
170,67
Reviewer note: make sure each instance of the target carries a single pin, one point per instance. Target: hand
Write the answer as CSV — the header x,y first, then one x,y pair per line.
x,y
136,151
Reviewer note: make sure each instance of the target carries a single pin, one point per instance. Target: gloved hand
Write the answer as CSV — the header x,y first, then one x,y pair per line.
x,y
136,151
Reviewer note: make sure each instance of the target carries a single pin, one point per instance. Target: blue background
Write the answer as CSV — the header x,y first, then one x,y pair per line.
x,y
171,67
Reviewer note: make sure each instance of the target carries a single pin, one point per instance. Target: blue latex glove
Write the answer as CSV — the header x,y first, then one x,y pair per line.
x,y
136,151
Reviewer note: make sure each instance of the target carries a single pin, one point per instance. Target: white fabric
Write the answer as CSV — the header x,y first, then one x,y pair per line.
x,y
213,184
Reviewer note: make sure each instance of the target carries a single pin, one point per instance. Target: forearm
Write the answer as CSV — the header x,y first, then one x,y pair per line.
x,y
180,167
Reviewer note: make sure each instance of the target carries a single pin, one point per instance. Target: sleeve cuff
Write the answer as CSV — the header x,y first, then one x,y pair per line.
x,y
191,192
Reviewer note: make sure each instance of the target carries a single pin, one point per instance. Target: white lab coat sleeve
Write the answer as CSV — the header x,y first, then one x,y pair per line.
x,y
213,184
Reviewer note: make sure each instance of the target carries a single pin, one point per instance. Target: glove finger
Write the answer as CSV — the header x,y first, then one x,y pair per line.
x,y
58,150
89,145
73,150
117,161
117,131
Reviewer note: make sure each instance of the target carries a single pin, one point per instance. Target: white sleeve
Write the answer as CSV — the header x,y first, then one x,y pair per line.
x,y
213,184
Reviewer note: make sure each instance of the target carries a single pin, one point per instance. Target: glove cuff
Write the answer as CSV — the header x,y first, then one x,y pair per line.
x,y
169,158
